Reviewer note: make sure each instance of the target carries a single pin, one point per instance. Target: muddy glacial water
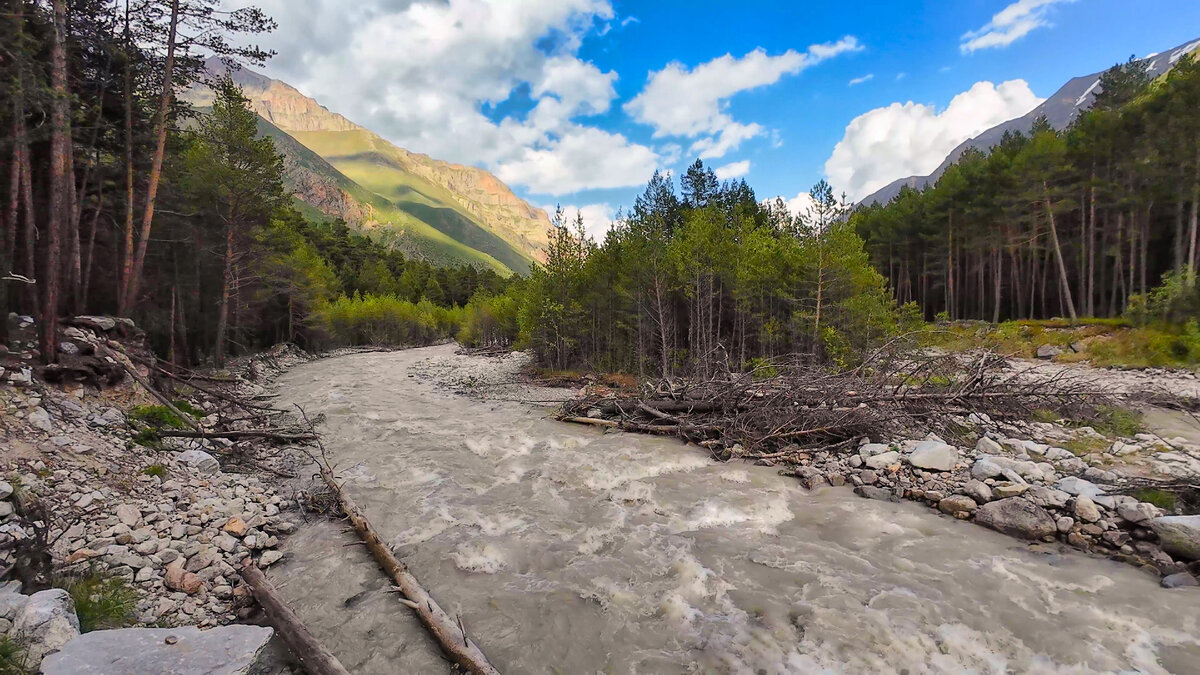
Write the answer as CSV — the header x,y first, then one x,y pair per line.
x,y
570,550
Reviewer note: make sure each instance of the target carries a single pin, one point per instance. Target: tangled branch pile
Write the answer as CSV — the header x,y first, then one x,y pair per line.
x,y
793,404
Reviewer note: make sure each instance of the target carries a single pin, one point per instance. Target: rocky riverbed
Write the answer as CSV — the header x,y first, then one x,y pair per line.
x,y
167,519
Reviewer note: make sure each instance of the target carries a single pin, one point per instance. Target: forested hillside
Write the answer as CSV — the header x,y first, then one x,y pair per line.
x,y
121,200
1084,222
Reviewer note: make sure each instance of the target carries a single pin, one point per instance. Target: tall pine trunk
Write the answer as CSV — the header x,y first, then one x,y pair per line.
x,y
1062,266
160,150
59,212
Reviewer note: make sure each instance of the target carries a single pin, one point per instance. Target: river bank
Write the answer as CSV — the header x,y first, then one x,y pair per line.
x,y
540,532
87,499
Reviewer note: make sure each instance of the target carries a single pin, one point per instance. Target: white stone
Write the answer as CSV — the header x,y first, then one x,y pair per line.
x,y
45,624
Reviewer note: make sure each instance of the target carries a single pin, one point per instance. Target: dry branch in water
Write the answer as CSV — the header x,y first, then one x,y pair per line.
x,y
449,633
804,405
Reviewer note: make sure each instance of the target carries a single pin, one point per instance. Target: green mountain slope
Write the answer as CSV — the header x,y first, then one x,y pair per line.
x,y
423,205
375,164
325,191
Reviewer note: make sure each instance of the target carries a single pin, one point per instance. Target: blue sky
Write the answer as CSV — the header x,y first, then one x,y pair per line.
x,y
576,101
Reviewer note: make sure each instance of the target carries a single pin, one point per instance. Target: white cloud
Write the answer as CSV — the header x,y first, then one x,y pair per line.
x,y
901,76
420,72
678,101
729,139
906,139
1009,25
597,218
865,78
733,170
583,158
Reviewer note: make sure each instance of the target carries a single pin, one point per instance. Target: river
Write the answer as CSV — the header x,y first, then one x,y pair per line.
x,y
571,550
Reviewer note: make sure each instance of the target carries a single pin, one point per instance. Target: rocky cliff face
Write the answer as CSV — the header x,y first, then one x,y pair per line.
x,y
488,200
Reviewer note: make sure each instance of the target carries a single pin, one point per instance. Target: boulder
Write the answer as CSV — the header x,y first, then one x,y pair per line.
x,y
1086,510
129,514
39,418
1180,535
1018,517
1180,580
1047,496
269,558
934,456
883,460
199,460
872,492
984,468
978,491
11,604
956,504
177,578
97,323
1137,512
6,489
1048,351
1007,490
235,526
45,624
871,449
987,446
225,650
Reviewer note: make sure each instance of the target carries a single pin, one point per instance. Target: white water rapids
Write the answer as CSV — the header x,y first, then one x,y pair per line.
x,y
570,550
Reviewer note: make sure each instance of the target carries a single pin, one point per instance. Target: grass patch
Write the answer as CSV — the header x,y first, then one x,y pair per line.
x,y
157,470
1045,415
101,602
1086,445
1102,342
1160,498
12,659
1120,422
156,416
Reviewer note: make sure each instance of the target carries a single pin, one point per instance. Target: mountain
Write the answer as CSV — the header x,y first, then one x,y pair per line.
x,y
445,213
1060,110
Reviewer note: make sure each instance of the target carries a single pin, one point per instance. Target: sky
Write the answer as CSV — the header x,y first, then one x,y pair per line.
x,y
578,102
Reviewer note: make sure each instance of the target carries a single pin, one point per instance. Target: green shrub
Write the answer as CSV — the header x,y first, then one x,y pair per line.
x,y
157,470
101,602
386,320
155,417
12,659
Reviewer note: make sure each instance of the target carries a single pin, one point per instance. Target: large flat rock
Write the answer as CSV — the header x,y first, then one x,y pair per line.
x,y
226,650
1180,535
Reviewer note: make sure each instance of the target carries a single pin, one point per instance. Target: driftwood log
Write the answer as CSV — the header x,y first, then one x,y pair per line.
x,y
450,634
315,658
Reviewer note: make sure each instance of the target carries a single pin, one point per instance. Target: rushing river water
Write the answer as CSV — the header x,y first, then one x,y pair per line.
x,y
569,550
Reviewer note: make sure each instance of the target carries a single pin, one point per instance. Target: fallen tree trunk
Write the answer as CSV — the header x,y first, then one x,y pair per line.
x,y
450,634
315,658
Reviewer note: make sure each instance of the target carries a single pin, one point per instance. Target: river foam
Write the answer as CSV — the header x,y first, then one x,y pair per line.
x,y
579,550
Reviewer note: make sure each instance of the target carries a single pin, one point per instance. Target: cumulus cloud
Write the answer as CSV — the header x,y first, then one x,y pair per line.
x,y
865,78
421,72
597,218
906,139
733,170
584,158
678,101
1009,25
